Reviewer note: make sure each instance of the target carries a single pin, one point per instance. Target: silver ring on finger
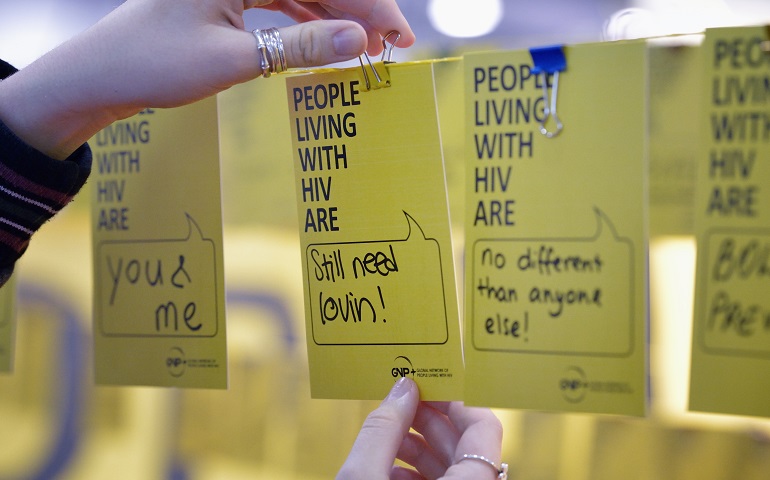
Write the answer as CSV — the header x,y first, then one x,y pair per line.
x,y
502,471
272,58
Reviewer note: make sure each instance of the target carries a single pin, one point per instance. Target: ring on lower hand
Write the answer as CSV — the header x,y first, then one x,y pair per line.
x,y
502,471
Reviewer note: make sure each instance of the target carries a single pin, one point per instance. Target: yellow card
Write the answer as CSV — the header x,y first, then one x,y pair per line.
x,y
731,327
556,285
675,81
157,250
7,323
380,294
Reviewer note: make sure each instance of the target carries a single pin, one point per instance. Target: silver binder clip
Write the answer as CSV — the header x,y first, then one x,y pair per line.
x,y
366,75
550,106
385,50
389,50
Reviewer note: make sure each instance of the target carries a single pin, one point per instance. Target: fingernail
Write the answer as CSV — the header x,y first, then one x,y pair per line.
x,y
347,42
401,388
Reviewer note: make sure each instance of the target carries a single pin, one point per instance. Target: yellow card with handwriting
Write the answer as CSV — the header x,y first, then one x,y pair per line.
x,y
157,250
555,283
731,327
7,323
380,295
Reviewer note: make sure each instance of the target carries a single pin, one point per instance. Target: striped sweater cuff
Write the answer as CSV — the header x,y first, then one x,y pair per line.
x,y
33,188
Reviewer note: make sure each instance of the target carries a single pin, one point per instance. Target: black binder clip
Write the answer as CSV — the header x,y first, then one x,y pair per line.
x,y
549,60
385,50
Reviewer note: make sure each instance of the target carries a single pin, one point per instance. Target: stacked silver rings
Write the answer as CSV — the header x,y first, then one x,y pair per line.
x,y
272,57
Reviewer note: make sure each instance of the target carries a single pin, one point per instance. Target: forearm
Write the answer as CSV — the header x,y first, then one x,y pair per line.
x,y
51,104
156,53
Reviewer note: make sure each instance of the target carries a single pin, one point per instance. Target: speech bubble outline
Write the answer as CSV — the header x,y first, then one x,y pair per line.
x,y
214,301
316,322
602,220
711,237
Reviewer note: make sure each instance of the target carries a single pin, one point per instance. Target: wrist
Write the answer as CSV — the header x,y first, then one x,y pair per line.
x,y
47,105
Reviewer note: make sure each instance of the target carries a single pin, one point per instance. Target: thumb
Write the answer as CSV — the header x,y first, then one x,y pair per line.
x,y
377,444
321,42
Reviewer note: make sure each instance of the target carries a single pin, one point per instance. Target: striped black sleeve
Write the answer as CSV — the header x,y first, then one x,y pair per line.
x,y
33,188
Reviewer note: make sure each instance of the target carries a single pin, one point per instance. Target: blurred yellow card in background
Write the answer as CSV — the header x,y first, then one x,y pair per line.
x,y
675,92
380,293
157,250
556,276
7,323
731,327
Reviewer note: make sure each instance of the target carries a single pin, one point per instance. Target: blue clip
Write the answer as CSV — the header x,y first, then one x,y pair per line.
x,y
549,60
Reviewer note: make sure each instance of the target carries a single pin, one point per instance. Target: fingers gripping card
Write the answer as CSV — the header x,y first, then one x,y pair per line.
x,y
157,249
380,297
555,284
731,325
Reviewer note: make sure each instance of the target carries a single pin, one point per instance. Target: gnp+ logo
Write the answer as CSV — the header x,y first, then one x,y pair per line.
x,y
402,367
176,362
574,384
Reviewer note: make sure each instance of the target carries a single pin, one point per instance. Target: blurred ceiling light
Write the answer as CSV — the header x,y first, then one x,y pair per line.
x,y
458,18
28,30
629,23
654,18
